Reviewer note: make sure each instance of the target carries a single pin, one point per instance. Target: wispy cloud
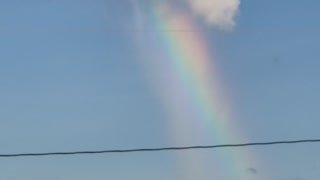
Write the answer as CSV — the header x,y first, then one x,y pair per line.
x,y
217,13
138,17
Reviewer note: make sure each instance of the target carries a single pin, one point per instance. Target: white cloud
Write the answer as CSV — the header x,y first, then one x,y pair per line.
x,y
219,13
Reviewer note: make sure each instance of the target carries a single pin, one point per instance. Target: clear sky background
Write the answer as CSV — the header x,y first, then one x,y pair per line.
x,y
71,79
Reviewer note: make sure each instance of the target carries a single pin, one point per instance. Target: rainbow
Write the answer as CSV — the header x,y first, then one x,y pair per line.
x,y
199,109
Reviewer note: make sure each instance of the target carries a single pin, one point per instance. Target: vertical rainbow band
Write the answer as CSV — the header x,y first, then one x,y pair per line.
x,y
199,109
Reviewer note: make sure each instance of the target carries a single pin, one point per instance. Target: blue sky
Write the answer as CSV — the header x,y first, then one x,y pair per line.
x,y
71,79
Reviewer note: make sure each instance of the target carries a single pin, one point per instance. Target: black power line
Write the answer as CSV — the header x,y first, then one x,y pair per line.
x,y
160,149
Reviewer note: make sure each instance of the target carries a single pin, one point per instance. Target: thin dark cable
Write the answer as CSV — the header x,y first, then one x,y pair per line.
x,y
162,149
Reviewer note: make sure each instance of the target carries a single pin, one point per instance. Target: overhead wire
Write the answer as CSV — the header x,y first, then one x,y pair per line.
x,y
160,149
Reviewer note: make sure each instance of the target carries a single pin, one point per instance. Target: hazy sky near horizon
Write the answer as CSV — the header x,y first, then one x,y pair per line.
x,y
71,78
